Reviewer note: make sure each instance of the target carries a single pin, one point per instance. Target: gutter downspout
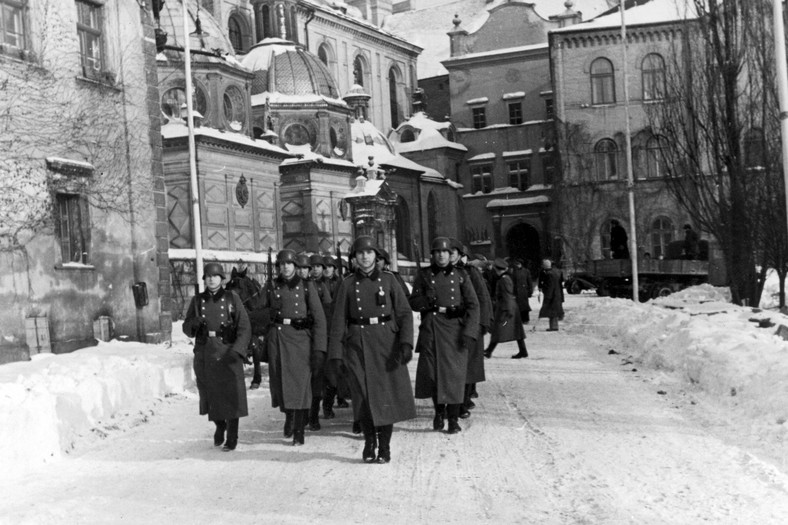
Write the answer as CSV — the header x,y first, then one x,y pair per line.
x,y
306,29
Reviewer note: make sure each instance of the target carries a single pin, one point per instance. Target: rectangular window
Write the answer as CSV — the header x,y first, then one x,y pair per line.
x,y
479,118
548,167
548,106
11,23
89,23
482,179
516,113
73,228
520,174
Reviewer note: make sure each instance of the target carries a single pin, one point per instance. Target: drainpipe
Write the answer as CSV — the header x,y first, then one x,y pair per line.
x,y
306,29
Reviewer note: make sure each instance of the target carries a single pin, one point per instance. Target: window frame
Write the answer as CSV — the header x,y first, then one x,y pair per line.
x,y
655,164
522,172
482,178
97,33
235,32
653,79
548,167
479,116
517,117
18,9
603,83
73,227
606,160
660,236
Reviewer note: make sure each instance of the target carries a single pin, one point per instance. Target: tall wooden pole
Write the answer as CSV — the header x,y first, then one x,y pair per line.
x,y
633,245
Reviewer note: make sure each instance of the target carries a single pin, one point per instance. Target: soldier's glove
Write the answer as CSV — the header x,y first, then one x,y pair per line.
x,y
316,361
407,353
338,366
468,342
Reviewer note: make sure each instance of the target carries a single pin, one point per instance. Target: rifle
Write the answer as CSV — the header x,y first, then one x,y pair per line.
x,y
418,254
339,261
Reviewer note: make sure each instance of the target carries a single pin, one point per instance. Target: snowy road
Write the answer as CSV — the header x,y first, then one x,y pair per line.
x,y
570,435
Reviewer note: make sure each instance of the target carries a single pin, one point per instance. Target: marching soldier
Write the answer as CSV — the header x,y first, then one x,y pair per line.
x,y
335,385
508,326
218,321
475,373
318,376
372,338
444,296
296,344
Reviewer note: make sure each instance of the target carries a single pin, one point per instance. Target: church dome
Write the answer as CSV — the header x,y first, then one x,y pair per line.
x,y
213,39
281,66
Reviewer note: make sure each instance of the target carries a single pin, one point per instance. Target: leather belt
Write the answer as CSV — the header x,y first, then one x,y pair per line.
x,y
298,324
213,333
370,320
451,312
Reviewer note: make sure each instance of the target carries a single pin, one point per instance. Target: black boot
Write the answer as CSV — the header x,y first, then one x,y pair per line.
x,y
489,351
523,351
342,403
384,443
453,413
454,426
218,436
357,427
328,402
299,422
314,414
232,435
370,441
440,417
288,423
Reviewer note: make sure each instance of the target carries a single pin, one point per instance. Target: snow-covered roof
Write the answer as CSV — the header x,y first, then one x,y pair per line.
x,y
524,201
430,135
498,52
481,156
653,12
175,129
519,153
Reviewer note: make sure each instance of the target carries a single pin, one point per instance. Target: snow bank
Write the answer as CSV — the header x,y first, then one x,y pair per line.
x,y
48,403
731,352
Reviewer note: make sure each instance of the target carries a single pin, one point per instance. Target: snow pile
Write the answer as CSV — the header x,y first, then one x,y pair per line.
x,y
47,404
732,353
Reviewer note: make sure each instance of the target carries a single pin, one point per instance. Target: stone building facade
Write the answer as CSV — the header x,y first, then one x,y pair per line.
x,y
83,233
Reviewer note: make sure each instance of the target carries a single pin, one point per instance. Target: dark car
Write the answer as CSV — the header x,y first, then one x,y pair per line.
x,y
580,281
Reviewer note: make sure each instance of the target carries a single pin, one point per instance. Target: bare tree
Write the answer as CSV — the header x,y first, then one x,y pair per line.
x,y
718,100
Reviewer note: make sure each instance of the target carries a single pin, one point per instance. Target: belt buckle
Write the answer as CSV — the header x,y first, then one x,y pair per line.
x,y
442,309
373,320
211,333
287,321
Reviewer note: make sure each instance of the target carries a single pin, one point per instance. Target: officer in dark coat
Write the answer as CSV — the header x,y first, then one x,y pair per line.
x,y
551,283
523,288
315,267
336,386
296,343
218,321
444,296
507,325
475,372
372,338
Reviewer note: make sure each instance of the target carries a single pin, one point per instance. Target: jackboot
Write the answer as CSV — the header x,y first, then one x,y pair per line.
x,y
453,413
288,432
232,435
440,417
218,436
523,351
328,402
299,422
370,441
357,427
384,443
314,414
454,426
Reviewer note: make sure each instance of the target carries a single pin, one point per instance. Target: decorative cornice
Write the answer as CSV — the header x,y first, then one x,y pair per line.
x,y
226,145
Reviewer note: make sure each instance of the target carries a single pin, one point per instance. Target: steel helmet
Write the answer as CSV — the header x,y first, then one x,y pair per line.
x,y
285,256
441,243
329,261
212,268
316,260
456,245
384,255
364,242
302,261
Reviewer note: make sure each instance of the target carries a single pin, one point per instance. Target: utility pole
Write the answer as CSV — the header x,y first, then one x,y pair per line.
x,y
782,86
633,245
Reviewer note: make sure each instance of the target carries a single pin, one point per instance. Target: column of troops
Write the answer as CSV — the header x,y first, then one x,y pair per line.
x,y
326,338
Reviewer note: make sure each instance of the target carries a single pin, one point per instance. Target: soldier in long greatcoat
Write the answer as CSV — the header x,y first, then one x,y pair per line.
x,y
296,344
507,325
444,296
314,265
218,321
551,284
475,372
372,339
336,387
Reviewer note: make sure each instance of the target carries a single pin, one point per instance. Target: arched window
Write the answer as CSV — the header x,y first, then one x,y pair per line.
x,y
402,215
603,90
359,70
322,54
393,98
407,135
653,67
661,236
753,146
235,33
655,163
293,29
606,160
266,30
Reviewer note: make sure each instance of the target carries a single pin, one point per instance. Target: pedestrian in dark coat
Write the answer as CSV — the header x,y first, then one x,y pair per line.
x,y
619,243
523,288
691,244
475,372
372,339
551,284
444,296
296,344
220,324
507,325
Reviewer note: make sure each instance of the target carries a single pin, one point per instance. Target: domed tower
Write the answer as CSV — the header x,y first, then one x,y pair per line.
x,y
294,94
221,85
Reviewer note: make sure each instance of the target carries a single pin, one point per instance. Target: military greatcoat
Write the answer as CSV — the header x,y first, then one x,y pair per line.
x,y
508,323
218,365
371,320
551,283
449,313
476,356
298,330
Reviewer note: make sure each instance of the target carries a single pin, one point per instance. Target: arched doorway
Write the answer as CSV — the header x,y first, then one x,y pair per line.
x,y
522,241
